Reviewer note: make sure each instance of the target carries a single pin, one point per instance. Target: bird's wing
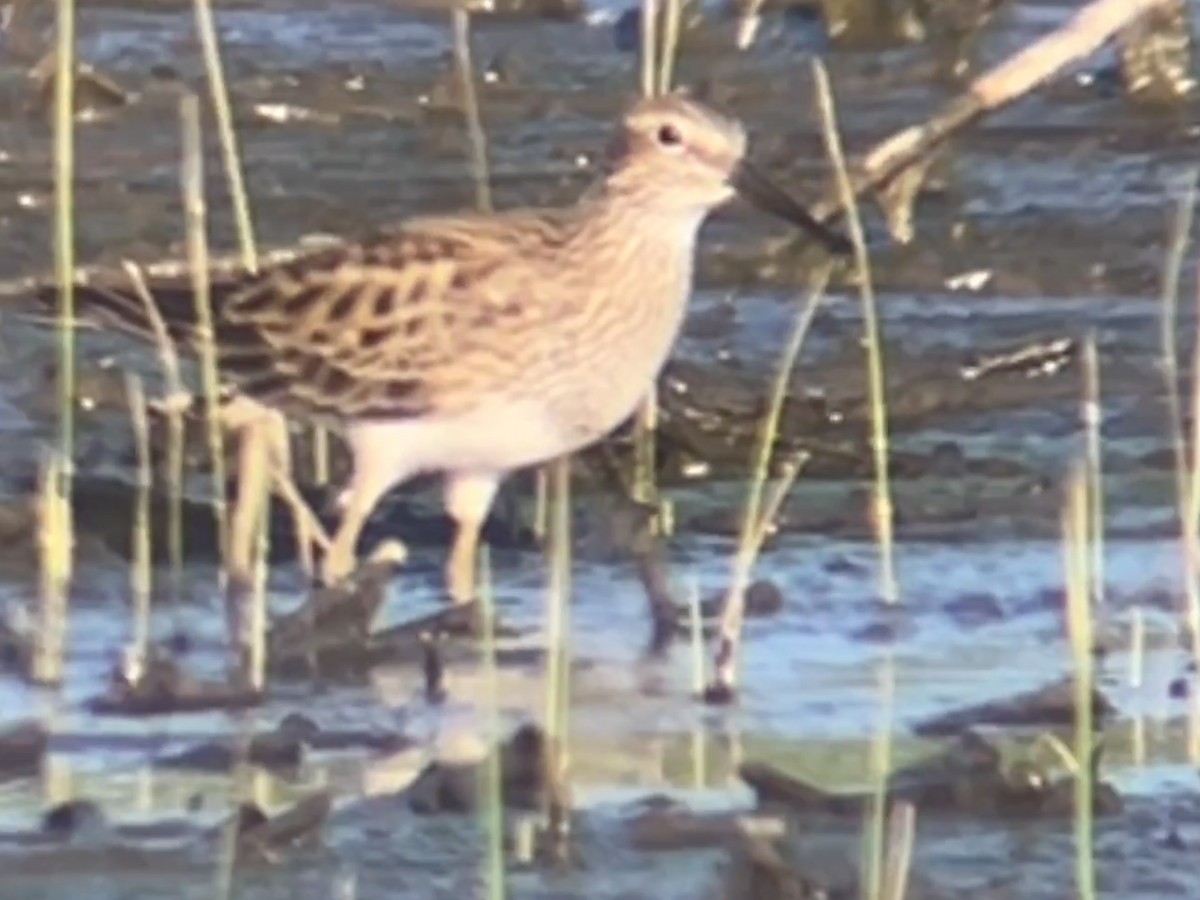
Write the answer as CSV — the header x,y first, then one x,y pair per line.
x,y
410,321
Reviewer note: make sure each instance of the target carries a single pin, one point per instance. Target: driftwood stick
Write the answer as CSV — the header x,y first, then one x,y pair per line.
x,y
1084,33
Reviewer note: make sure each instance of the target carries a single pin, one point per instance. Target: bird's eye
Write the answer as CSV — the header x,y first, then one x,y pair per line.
x,y
669,136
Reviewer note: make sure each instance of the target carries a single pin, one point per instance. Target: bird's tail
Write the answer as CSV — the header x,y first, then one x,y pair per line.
x,y
153,306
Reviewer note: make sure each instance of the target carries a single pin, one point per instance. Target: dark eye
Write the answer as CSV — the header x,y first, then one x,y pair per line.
x,y
669,136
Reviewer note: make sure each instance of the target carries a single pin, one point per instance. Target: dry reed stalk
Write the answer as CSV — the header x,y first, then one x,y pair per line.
x,y
493,800
207,30
541,505
754,527
461,24
645,449
558,645
673,20
169,360
140,579
902,837
195,213
1093,416
1173,269
1137,667
696,621
649,54
882,518
320,455
1076,524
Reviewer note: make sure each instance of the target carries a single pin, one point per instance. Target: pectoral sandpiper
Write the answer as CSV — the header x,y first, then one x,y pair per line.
x,y
477,344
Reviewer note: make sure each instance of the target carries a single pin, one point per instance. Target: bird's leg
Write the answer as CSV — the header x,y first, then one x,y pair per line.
x,y
370,481
468,498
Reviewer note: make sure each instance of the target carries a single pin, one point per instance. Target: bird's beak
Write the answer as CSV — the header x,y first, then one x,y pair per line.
x,y
763,193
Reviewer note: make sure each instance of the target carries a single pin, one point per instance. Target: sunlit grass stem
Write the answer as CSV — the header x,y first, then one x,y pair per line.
x,y
219,92
882,518
558,629
1092,419
57,524
1076,522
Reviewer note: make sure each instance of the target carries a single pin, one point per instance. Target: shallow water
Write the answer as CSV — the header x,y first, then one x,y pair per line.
x,y
1065,199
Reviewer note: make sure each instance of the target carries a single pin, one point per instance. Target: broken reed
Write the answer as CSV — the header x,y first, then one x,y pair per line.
x,y
1076,523
140,538
882,518
176,396
757,517
196,218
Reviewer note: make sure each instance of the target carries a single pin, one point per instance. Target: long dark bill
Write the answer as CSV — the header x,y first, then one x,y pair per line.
x,y
763,193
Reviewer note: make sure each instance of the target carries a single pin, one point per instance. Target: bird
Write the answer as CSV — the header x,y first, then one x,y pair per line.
x,y
476,344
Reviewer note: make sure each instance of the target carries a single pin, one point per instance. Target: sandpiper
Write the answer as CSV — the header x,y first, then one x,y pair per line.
x,y
476,344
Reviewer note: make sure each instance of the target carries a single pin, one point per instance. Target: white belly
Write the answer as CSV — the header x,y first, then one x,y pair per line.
x,y
496,436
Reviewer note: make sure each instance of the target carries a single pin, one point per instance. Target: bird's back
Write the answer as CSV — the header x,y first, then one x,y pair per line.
x,y
426,318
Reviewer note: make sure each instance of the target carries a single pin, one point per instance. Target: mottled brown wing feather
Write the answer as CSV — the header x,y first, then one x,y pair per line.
x,y
378,329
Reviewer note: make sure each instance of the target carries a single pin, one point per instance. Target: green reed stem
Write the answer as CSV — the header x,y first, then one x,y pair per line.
x,y
493,800
57,522
64,231
880,765
879,436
